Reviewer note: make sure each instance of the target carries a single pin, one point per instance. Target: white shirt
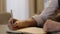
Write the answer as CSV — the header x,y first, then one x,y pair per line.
x,y
50,9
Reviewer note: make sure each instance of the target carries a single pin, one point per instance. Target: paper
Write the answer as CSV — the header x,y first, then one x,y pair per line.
x,y
30,30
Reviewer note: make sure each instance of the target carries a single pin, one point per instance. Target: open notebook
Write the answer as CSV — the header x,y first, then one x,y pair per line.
x,y
29,30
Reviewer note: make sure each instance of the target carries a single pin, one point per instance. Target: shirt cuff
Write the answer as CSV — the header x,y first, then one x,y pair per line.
x,y
38,19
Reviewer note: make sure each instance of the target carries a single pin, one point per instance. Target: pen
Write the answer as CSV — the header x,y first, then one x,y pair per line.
x,y
12,17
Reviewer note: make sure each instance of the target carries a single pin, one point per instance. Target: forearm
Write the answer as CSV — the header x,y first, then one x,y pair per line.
x,y
31,22
26,23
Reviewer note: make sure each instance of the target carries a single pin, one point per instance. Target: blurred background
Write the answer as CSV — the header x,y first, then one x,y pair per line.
x,y
22,9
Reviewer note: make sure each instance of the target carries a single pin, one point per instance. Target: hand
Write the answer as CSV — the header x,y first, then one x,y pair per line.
x,y
51,26
18,24
13,25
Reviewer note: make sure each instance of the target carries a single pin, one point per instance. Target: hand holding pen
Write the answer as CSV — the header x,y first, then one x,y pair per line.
x,y
11,24
15,24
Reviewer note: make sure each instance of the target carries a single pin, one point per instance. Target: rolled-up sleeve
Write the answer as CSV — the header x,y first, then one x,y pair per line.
x,y
50,9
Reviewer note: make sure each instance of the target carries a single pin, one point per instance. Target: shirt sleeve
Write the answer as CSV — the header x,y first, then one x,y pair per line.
x,y
50,9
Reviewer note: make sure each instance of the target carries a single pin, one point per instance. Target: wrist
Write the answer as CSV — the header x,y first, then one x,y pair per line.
x,y
31,22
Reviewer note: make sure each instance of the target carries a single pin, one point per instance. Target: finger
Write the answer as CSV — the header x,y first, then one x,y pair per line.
x,y
45,27
10,24
12,21
17,24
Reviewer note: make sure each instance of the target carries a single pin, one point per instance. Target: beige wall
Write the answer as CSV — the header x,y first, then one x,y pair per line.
x,y
31,7
2,6
40,6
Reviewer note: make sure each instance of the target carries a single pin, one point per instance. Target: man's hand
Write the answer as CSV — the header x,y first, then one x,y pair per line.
x,y
12,25
18,24
51,26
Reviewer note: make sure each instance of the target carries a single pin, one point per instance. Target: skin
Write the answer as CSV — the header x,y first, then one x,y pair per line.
x,y
51,26
18,24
